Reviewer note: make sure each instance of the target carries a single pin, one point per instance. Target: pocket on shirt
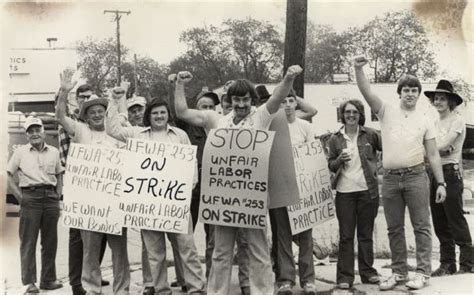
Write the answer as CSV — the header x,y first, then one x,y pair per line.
x,y
50,169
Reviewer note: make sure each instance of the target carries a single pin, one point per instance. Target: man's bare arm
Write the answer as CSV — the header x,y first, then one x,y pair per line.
x,y
363,83
283,88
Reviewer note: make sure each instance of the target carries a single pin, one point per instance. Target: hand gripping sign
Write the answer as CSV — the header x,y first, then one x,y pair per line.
x,y
234,184
157,185
92,189
316,204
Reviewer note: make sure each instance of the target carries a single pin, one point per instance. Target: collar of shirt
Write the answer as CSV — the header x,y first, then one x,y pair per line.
x,y
231,124
342,130
45,147
169,129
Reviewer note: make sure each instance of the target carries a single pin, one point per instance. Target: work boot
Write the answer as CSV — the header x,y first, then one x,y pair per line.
x,y
444,270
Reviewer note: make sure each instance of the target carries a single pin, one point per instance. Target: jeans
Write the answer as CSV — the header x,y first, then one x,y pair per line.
x,y
156,247
355,210
39,213
282,252
91,274
260,269
76,254
408,188
146,270
449,223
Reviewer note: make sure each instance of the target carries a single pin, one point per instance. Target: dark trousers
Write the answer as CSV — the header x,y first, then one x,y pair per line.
x,y
39,213
76,255
449,223
355,210
282,252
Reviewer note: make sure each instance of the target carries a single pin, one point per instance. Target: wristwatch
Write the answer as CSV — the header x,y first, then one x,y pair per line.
x,y
442,184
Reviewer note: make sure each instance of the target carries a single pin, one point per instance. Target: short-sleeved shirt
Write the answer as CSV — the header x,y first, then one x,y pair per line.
x,y
35,167
403,136
258,118
453,123
85,135
301,131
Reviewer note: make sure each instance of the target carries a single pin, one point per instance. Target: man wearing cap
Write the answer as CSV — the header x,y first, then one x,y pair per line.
x,y
40,183
407,134
75,253
136,109
93,132
449,223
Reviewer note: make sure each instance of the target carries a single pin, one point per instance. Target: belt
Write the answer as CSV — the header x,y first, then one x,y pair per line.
x,y
417,168
39,186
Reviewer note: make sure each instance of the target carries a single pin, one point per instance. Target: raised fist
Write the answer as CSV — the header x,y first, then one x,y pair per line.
x,y
294,71
172,78
184,77
118,92
66,79
360,61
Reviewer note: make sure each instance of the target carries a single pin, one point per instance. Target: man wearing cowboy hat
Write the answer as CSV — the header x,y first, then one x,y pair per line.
x,y
39,172
407,134
449,223
93,132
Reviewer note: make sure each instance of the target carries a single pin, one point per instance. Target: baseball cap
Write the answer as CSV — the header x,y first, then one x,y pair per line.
x,y
30,121
136,100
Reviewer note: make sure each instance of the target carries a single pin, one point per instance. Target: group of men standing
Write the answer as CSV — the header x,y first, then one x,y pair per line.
x,y
407,136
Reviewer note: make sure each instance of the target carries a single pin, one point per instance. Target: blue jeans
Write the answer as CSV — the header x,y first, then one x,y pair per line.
x,y
408,187
39,213
356,210
449,223
282,252
260,269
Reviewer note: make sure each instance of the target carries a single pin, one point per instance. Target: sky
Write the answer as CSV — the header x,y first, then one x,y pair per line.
x,y
153,28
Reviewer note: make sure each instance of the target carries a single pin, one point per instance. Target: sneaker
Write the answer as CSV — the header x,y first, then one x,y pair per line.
x,y
78,290
343,286
148,291
285,289
391,282
419,281
444,270
373,279
309,289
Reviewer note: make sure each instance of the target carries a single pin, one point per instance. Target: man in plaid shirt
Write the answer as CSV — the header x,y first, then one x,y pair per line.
x,y
83,93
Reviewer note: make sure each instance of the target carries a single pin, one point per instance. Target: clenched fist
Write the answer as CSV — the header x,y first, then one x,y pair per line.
x,y
184,77
360,61
294,71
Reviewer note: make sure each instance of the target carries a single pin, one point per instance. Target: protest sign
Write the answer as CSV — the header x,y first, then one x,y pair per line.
x,y
282,188
234,184
316,204
158,182
92,189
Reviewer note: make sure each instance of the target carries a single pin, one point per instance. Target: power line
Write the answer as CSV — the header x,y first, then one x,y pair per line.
x,y
118,16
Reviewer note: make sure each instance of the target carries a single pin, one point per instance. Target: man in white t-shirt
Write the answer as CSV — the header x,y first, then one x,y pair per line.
x,y
301,132
93,132
407,134
242,93
449,223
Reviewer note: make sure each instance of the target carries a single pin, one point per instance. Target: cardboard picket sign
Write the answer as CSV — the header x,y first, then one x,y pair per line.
x,y
158,182
283,190
234,179
316,203
92,189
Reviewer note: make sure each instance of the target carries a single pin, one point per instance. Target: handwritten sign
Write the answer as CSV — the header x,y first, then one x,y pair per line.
x,y
158,182
92,189
316,204
234,184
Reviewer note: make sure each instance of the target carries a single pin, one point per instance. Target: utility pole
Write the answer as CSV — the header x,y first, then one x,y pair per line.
x,y
295,39
135,74
118,16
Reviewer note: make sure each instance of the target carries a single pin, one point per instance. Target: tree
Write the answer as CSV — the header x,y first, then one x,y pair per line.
x,y
396,44
98,62
326,53
257,46
152,77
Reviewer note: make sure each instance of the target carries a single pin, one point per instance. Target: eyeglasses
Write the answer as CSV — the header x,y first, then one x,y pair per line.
x,y
84,96
349,112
